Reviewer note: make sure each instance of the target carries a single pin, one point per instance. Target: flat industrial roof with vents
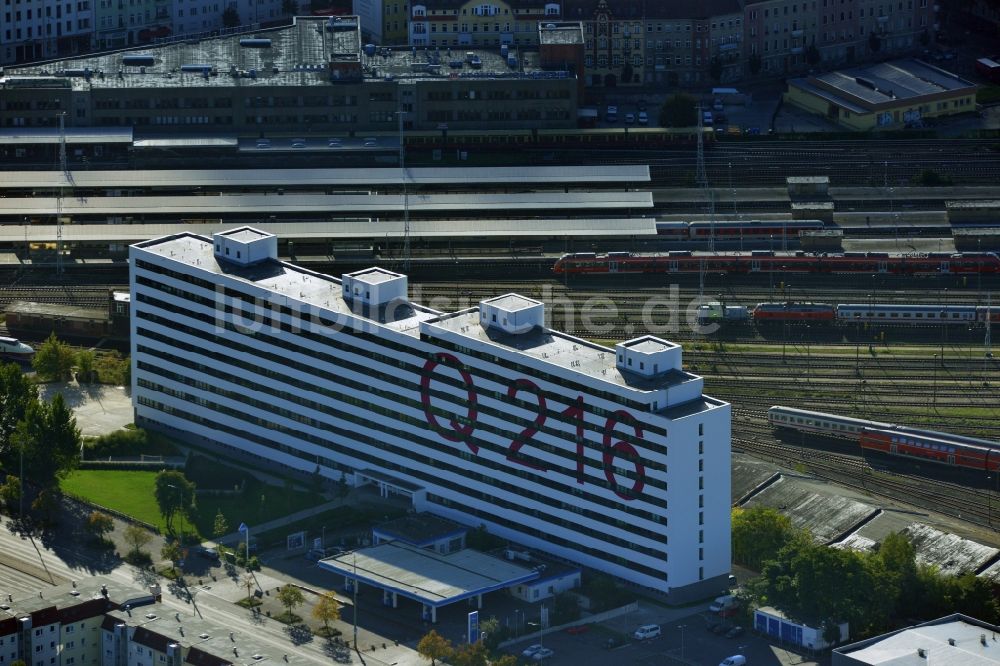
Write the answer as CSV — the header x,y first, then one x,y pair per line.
x,y
955,640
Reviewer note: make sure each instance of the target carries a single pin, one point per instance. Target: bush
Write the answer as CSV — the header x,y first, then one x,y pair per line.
x,y
139,558
931,178
126,443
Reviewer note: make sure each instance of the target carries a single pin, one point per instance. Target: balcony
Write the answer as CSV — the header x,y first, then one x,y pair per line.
x,y
883,19
797,33
724,48
796,50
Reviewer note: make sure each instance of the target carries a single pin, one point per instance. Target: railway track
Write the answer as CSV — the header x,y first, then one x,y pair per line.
x,y
855,471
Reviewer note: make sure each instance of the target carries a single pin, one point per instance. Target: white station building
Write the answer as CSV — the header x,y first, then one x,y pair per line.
x,y
608,458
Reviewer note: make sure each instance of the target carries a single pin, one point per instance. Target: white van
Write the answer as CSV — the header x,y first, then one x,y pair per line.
x,y
646,632
735,660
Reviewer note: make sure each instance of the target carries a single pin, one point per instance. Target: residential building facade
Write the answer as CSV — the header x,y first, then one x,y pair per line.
x,y
40,29
383,21
610,458
472,23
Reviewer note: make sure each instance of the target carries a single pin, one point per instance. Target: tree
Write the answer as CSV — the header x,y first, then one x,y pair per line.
x,y
16,393
434,646
53,360
505,660
46,505
10,492
489,629
220,528
470,654
126,370
753,64
98,524
565,608
813,55
679,111
85,366
249,582
171,552
874,43
289,7
326,610
715,69
173,493
290,597
758,533
49,440
136,537
230,17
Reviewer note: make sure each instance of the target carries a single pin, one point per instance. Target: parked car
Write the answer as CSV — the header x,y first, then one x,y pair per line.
x,y
735,632
717,105
530,651
629,118
706,118
612,114
647,631
578,629
712,625
735,660
542,654
207,553
719,629
643,118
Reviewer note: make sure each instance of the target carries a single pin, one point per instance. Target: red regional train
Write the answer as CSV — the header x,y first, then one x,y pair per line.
x,y
776,262
895,440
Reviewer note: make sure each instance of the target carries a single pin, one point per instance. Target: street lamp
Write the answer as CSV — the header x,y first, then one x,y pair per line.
x,y
682,627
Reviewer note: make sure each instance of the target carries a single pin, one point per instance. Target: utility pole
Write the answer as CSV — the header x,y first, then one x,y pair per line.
x,y
354,587
64,171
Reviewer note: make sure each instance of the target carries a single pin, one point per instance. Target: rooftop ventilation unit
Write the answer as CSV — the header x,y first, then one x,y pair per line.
x,y
137,60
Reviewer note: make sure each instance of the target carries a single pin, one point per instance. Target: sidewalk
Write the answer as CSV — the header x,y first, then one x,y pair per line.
x,y
234,538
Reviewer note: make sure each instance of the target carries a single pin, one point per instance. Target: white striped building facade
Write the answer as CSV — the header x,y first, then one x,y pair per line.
x,y
487,416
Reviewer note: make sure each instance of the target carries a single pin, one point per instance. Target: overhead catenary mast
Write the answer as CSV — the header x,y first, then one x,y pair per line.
x,y
64,170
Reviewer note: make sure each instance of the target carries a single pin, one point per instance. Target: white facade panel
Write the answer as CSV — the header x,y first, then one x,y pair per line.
x,y
599,476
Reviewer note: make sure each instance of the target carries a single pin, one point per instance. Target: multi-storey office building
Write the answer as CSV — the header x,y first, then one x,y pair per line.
x,y
312,76
610,458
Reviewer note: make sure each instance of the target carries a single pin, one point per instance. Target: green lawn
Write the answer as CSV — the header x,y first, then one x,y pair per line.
x,y
131,492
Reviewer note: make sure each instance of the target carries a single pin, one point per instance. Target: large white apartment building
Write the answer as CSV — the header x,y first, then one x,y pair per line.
x,y
610,458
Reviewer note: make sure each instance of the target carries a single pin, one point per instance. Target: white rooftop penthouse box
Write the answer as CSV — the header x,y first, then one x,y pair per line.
x,y
374,286
245,246
511,313
648,356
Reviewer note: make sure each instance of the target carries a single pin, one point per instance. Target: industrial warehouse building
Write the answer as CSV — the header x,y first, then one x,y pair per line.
x,y
888,95
607,458
313,76
954,639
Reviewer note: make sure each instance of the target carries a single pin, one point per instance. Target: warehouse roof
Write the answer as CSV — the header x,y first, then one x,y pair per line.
x,y
426,576
886,84
955,640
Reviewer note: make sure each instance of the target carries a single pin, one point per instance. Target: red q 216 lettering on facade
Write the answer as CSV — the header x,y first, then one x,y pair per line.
x,y
458,431
624,450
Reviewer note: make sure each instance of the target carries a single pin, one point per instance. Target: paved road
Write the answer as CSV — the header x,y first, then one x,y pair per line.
x,y
28,565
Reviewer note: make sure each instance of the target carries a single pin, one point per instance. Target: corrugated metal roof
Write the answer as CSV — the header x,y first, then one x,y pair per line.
x,y
314,177
316,203
128,233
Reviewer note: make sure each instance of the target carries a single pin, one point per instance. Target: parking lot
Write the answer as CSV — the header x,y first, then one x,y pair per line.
x,y
685,639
